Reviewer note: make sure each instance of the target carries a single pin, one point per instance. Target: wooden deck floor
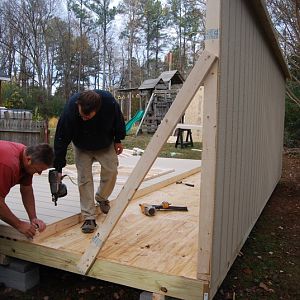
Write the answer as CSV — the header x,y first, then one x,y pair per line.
x,y
153,253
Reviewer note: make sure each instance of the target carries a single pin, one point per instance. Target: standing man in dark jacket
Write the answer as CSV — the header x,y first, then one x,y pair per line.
x,y
93,122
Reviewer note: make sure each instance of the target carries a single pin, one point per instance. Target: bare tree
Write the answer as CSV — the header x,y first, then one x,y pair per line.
x,y
286,18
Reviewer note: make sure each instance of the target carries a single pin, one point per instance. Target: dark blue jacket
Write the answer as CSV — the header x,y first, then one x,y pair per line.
x,y
106,127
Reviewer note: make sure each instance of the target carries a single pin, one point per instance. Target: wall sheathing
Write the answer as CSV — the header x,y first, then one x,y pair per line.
x,y
248,141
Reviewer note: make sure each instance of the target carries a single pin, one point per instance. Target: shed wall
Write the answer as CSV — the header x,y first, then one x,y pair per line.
x,y
194,114
250,122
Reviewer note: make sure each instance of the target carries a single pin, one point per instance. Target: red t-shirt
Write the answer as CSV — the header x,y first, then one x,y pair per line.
x,y
11,170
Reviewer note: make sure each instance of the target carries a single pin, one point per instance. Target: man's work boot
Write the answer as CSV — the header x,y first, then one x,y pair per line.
x,y
88,226
104,206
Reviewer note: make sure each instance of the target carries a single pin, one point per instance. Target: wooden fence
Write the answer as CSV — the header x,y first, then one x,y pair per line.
x,y
25,131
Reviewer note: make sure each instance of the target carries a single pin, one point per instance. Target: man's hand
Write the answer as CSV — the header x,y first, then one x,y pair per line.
x,y
39,224
118,148
28,229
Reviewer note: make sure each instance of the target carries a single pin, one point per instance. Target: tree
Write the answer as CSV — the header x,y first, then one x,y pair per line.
x,y
85,25
105,16
29,41
187,17
153,20
286,18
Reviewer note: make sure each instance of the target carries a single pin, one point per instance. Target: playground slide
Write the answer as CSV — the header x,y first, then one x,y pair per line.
x,y
137,117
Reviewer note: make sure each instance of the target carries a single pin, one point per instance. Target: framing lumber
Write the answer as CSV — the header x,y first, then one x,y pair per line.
x,y
182,100
145,113
209,148
165,284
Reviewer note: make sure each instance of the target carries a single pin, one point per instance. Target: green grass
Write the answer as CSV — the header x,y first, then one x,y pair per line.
x,y
168,150
141,141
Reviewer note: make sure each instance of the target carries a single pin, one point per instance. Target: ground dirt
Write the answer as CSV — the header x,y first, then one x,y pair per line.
x,y
267,267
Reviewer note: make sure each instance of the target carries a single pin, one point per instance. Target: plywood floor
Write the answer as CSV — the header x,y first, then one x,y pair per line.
x,y
164,243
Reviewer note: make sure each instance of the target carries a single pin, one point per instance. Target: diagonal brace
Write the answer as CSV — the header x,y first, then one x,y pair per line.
x,y
165,129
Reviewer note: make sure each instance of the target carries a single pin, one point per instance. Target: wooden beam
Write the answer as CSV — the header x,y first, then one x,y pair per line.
x,y
209,147
181,102
156,282
144,115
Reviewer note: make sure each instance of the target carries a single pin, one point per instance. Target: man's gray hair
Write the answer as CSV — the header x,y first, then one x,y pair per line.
x,y
41,153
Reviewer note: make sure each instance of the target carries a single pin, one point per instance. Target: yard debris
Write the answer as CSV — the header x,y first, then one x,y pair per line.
x,y
265,287
137,151
247,271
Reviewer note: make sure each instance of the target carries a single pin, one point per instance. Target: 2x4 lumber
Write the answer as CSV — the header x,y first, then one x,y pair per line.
x,y
181,102
208,170
169,285
8,231
144,115
209,152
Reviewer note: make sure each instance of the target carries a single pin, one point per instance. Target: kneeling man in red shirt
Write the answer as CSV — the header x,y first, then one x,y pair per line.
x,y
18,163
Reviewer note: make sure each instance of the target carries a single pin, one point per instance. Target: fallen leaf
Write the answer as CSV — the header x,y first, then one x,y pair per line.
x,y
265,287
229,296
82,291
247,271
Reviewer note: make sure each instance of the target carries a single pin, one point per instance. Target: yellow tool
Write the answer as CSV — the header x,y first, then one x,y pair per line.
x,y
150,209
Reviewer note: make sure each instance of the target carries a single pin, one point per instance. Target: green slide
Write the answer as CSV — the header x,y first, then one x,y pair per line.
x,y
137,117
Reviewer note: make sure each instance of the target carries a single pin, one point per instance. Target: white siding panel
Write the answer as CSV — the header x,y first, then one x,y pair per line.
x,y
249,132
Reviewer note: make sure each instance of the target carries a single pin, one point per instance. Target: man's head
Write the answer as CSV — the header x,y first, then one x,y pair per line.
x,y
89,103
38,158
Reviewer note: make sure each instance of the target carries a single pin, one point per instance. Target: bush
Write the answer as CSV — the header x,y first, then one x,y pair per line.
x,y
292,124
53,122
34,99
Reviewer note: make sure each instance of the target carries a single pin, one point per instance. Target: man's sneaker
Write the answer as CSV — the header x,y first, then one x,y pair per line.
x,y
88,226
104,206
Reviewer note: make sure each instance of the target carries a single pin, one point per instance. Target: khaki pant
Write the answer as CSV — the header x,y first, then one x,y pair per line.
x,y
84,159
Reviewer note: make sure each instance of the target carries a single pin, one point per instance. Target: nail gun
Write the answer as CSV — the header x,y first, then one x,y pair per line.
x,y
150,209
58,189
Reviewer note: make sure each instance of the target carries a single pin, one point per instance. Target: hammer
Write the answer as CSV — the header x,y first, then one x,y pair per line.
x,y
188,184
150,209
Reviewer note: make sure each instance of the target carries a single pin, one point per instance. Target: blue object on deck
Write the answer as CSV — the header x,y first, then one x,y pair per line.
x,y
137,117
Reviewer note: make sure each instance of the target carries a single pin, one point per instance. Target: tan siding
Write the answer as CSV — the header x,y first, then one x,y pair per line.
x,y
249,132
194,115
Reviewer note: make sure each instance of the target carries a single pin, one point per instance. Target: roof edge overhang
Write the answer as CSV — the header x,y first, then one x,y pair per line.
x,y
261,12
